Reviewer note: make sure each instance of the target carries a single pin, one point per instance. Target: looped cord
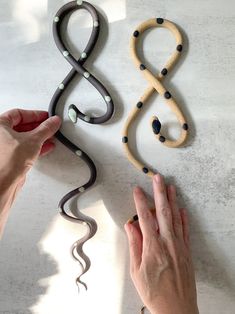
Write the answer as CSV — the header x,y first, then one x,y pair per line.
x,y
74,113
155,86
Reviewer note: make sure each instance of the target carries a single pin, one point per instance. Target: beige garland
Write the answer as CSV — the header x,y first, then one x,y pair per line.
x,y
155,85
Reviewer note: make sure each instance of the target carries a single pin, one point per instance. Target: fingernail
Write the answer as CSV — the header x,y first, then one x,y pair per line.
x,y
158,178
128,227
138,190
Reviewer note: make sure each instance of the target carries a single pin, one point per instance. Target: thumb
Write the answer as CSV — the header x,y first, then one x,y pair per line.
x,y
47,128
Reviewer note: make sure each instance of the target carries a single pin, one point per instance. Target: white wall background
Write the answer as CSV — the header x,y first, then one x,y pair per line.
x,y
36,271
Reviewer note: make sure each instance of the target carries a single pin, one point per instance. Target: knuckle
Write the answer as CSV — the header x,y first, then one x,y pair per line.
x,y
149,244
165,211
132,244
48,127
146,214
161,189
169,237
31,143
37,139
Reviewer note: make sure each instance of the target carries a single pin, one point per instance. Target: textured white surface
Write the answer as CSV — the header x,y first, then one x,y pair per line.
x,y
36,271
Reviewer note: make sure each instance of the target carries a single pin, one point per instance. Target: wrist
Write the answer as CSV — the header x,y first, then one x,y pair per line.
x,y
5,204
192,310
179,308
9,177
9,185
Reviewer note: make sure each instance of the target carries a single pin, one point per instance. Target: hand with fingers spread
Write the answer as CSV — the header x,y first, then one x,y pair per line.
x,y
24,136
160,261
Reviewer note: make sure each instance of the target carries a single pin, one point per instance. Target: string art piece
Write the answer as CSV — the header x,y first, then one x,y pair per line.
x,y
155,86
74,114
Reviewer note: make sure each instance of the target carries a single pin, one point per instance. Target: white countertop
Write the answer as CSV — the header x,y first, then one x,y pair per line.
x,y
36,270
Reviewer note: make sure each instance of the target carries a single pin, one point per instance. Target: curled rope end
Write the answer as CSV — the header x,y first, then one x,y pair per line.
x,y
80,283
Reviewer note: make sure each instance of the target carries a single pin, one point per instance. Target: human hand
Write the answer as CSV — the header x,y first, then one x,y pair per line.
x,y
24,136
161,266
